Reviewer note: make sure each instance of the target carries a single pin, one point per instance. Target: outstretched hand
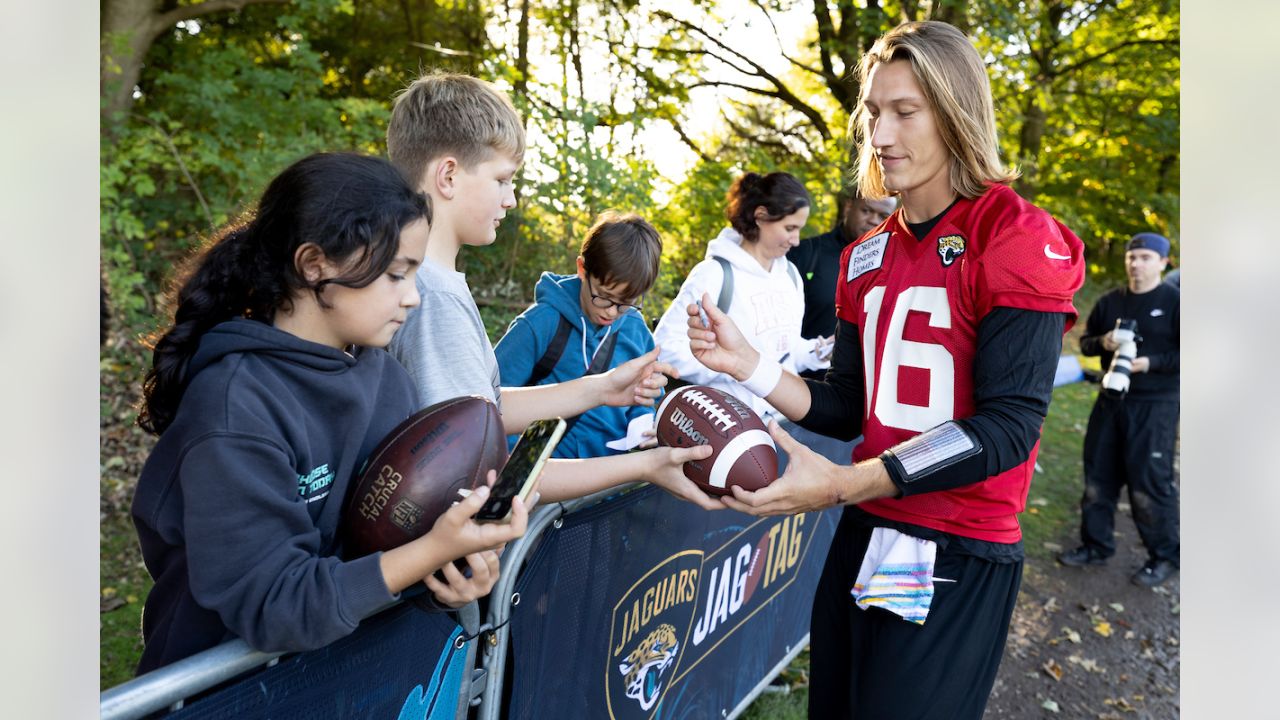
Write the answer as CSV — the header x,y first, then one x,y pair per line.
x,y
637,381
720,345
666,470
811,482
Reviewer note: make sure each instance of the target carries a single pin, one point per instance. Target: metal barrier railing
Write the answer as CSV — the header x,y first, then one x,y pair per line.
x,y
169,687
495,652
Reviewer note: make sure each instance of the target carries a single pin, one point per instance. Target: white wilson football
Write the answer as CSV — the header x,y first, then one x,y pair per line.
x,y
743,453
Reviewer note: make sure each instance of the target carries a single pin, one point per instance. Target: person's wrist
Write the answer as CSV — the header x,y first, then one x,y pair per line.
x,y
864,481
597,388
844,483
753,361
764,377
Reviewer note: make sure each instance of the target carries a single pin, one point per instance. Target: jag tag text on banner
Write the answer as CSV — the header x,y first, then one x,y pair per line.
x,y
645,606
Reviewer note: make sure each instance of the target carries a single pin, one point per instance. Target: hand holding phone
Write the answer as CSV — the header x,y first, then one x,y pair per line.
x,y
520,474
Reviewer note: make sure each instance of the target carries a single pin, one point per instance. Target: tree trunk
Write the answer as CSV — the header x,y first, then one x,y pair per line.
x,y
1029,141
129,28
127,33
521,87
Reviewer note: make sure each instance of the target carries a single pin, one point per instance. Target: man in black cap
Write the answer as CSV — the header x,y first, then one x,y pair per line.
x,y
1132,435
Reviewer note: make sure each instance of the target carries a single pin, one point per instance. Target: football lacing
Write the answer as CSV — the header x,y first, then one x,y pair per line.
x,y
711,409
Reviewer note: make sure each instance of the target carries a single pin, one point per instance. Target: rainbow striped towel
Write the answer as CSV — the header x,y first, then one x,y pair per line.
x,y
897,575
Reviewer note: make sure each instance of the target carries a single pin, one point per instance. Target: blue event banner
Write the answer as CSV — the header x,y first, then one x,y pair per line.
x,y
645,606
402,664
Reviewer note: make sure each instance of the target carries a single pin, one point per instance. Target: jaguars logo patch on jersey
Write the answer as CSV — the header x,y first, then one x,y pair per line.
x,y
950,247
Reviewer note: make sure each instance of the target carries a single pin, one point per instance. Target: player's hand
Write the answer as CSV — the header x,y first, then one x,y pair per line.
x,y
636,382
811,482
666,470
721,346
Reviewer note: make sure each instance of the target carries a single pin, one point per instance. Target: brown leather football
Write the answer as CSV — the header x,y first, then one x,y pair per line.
x,y
414,474
744,453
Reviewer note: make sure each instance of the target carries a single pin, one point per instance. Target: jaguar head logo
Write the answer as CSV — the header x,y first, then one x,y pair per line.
x,y
950,247
642,669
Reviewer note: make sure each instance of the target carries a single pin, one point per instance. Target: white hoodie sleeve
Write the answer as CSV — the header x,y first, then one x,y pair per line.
x,y
672,333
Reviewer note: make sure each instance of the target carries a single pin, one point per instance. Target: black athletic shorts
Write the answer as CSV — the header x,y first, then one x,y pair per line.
x,y
869,664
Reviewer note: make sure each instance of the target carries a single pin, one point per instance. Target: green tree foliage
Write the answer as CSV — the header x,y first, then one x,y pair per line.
x,y
1089,103
1086,95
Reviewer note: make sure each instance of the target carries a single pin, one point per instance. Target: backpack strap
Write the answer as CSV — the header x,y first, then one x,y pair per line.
x,y
794,272
602,362
555,350
551,357
726,287
723,302
604,355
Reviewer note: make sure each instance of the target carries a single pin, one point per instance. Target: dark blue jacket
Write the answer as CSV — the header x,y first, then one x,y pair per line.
x,y
530,334
237,507
818,260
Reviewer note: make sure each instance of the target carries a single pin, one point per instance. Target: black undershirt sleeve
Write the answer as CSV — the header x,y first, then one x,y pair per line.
x,y
836,402
1017,357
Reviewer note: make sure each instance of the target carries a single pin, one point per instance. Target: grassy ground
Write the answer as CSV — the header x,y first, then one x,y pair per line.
x,y
125,585
124,580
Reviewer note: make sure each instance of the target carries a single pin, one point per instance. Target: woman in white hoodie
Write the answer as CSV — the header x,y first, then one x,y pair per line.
x,y
766,214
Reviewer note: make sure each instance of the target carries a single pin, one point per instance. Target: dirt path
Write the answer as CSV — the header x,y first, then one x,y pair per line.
x,y
1087,643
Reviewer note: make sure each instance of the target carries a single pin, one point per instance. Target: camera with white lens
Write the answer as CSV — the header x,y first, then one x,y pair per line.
x,y
1116,382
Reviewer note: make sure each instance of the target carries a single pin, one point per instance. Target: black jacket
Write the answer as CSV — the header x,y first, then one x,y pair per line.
x,y
1158,325
818,259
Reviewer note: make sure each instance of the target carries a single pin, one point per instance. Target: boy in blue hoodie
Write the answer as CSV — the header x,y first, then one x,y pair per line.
x,y
588,323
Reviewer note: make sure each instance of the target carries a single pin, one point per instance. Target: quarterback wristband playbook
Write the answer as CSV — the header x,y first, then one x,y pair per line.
x,y
913,463
765,377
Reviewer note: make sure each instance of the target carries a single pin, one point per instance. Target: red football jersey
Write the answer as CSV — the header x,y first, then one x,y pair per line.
x,y
917,304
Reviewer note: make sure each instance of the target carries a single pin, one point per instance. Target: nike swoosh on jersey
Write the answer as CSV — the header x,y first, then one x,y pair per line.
x,y
1053,255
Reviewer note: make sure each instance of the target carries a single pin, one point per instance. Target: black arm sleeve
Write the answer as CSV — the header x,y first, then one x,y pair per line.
x,y
836,402
1017,357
